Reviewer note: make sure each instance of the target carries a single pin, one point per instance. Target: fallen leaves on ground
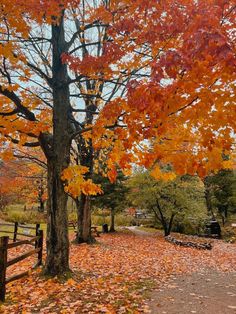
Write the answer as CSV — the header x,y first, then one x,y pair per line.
x,y
113,276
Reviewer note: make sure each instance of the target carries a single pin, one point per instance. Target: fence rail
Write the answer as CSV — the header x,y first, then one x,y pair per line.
x,y
18,229
4,262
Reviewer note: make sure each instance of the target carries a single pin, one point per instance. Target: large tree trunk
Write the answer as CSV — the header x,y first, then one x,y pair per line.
x,y
57,261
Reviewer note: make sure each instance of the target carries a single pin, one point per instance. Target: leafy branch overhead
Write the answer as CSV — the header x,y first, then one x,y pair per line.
x,y
130,71
110,84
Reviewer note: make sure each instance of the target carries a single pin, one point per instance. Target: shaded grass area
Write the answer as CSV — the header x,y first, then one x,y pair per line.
x,y
6,228
18,213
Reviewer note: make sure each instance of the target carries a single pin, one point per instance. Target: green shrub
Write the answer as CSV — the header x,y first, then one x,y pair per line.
x,y
120,220
229,234
72,216
23,216
100,220
123,220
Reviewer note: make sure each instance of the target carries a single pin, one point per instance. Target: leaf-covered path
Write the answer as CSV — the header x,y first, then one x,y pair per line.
x,y
114,275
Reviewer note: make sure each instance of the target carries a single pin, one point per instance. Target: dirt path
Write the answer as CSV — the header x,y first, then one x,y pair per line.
x,y
137,231
204,292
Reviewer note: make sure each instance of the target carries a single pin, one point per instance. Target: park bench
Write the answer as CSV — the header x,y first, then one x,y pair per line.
x,y
94,229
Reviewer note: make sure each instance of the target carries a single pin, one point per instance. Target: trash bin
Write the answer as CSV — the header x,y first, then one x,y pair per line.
x,y
213,229
105,228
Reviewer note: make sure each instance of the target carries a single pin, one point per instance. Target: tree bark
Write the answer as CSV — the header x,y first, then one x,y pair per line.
x,y
84,220
163,220
84,235
112,226
40,196
166,233
170,224
57,261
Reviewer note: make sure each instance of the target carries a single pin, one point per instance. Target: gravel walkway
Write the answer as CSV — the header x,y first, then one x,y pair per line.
x,y
205,292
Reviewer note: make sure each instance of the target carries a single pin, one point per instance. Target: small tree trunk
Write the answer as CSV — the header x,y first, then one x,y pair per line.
x,y
112,226
162,219
83,207
223,219
41,206
40,196
166,230
84,220
170,224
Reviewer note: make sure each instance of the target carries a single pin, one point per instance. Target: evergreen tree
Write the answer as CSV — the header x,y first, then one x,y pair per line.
x,y
113,197
221,193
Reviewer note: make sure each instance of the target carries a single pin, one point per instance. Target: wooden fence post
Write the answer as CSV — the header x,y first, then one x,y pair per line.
x,y
37,229
3,266
15,232
37,233
40,245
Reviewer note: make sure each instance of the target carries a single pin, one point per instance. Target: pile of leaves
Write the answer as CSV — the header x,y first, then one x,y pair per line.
x,y
112,276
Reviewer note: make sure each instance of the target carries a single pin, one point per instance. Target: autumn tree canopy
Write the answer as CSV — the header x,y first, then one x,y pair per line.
x,y
22,182
126,82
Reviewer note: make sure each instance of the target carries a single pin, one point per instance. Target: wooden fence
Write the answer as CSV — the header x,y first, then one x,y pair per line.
x,y
36,241
16,229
